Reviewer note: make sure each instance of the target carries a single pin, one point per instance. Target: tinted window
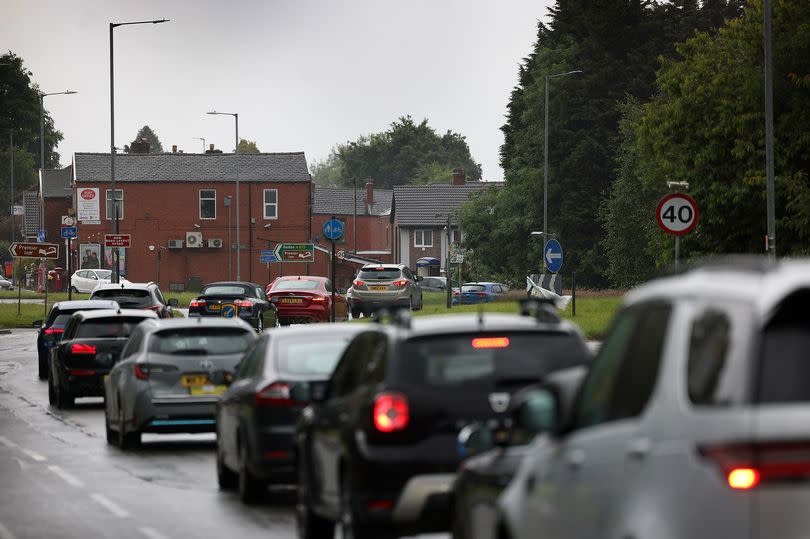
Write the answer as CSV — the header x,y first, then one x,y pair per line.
x,y
353,366
503,358
62,319
306,356
473,288
126,298
709,347
223,290
201,341
784,362
383,274
103,274
298,284
247,365
101,328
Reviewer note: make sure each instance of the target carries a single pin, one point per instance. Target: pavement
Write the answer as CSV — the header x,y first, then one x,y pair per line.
x,y
60,479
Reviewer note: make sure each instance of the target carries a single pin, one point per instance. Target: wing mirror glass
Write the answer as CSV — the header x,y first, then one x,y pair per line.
x,y
318,391
37,324
300,392
420,278
474,439
173,302
535,412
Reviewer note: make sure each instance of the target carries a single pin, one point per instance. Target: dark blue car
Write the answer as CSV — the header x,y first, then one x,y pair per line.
x,y
472,293
50,332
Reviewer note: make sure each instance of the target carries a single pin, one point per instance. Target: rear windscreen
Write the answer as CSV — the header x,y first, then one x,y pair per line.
x,y
296,285
382,274
224,291
310,357
500,359
785,356
62,319
101,328
473,288
201,341
127,299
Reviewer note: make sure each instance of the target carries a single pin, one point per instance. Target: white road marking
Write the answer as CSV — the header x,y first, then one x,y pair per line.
x,y
109,505
36,456
151,533
5,533
6,442
70,479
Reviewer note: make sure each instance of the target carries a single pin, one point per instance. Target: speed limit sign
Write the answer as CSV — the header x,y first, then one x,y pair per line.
x,y
677,214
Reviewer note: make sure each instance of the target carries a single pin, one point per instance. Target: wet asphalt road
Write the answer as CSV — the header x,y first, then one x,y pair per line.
x,y
60,479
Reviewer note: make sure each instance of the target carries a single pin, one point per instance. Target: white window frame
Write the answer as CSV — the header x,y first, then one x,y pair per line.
x,y
200,198
107,207
266,205
420,232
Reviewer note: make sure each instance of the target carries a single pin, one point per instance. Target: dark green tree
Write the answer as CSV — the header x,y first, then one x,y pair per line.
x,y
248,146
152,144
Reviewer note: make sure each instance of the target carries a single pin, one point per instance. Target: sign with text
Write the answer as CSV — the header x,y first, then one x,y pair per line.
x,y
295,252
88,205
117,240
34,250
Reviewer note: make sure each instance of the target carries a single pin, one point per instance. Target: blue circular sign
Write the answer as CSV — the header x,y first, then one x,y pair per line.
x,y
333,229
229,311
41,236
553,256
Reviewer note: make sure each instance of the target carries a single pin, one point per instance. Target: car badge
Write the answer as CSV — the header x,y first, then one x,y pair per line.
x,y
499,402
207,364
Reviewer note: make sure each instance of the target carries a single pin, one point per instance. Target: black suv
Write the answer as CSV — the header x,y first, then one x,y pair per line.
x,y
377,449
136,296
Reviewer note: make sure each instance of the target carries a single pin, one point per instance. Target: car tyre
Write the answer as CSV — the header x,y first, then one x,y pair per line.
x,y
74,289
259,324
356,312
251,489
111,434
309,525
51,392
349,526
126,440
42,371
226,478
63,399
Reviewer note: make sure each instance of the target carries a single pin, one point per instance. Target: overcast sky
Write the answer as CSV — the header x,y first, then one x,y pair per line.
x,y
303,75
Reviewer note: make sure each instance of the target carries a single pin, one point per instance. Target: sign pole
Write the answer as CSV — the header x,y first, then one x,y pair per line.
x,y
67,267
332,309
677,251
19,286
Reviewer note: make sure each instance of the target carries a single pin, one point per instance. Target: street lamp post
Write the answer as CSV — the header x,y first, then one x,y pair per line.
x,y
769,166
236,151
545,156
113,26
203,141
11,171
227,202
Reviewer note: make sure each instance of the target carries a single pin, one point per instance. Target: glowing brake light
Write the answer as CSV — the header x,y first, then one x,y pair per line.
x,y
140,373
155,308
53,331
358,282
391,412
401,282
243,303
490,342
743,478
276,394
197,303
82,349
317,298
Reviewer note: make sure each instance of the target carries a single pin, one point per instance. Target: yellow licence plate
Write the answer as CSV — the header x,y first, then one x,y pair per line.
x,y
290,300
209,389
105,377
214,307
378,288
194,380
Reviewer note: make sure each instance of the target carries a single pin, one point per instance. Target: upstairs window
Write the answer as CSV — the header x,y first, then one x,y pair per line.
x,y
271,203
208,204
119,196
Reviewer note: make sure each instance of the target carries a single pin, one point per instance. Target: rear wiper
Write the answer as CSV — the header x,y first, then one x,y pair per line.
x,y
190,352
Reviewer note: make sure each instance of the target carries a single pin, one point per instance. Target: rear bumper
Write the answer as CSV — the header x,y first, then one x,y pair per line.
x,y
84,385
248,316
317,313
169,414
369,304
273,453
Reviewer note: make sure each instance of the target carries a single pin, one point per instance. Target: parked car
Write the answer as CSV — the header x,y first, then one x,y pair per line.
x,y
86,280
91,344
304,298
50,331
433,284
237,299
692,421
377,450
256,417
5,284
384,285
136,296
484,292
163,382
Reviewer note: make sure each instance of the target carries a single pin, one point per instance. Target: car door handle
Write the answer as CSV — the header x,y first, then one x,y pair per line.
x,y
575,458
639,448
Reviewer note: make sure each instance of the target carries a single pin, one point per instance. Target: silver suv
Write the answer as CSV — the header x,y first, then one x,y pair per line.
x,y
692,421
383,285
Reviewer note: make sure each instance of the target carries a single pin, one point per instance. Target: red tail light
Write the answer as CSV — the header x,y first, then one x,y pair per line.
x,y
744,466
197,303
490,342
140,373
242,303
155,308
53,331
317,298
82,349
380,505
358,282
481,294
276,394
81,372
391,412
400,283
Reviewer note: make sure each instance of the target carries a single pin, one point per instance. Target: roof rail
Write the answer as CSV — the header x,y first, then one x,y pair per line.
x,y
399,315
543,309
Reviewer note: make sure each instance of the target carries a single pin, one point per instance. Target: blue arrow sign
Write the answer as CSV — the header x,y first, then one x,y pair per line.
x,y
69,232
553,256
229,310
333,229
41,236
267,256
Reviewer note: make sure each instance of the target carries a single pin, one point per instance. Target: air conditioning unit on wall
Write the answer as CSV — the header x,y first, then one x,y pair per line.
x,y
194,239
175,244
215,243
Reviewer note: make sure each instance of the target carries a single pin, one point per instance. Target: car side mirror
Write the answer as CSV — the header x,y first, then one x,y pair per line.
x,y
173,302
220,377
535,411
420,278
37,324
300,392
473,440
319,390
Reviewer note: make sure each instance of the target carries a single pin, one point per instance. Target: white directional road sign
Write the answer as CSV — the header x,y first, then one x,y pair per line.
x,y
677,214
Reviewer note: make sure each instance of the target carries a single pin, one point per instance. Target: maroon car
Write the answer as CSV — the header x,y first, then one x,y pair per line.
x,y
305,298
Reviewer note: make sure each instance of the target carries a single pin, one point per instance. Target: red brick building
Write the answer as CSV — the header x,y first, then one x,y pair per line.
x,y
181,212
57,196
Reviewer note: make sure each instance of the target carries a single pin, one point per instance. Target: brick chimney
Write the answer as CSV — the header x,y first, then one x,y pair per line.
x,y
174,148
369,192
458,176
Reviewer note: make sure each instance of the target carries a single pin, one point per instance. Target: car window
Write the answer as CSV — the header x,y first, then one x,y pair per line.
x,y
200,341
407,273
61,319
473,288
223,290
305,356
380,274
623,375
349,373
106,328
296,284
133,344
783,365
102,274
259,293
126,297
159,296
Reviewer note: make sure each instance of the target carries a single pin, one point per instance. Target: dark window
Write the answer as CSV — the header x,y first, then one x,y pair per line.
x,y
307,356
473,288
785,355
200,341
296,284
110,209
503,358
381,274
224,290
352,369
101,328
208,204
247,365
126,298
708,355
624,373
62,319
133,345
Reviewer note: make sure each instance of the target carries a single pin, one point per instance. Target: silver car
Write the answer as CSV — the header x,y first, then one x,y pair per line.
x,y
383,285
692,422
167,378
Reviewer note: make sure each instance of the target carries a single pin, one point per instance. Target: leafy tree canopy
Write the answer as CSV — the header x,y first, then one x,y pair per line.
x,y
248,146
396,156
152,144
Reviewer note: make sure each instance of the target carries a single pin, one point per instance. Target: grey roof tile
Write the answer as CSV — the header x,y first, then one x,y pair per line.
x,y
56,182
189,167
339,201
430,204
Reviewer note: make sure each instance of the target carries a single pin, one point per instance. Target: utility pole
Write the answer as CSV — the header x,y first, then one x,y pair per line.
x,y
449,281
769,167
